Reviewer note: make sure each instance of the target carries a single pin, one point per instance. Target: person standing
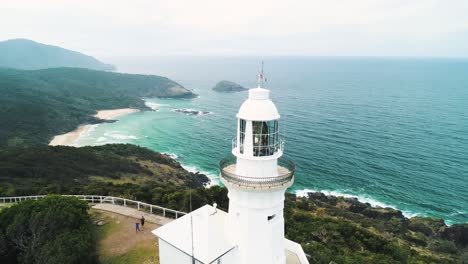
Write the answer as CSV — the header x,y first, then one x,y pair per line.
x,y
142,221
137,227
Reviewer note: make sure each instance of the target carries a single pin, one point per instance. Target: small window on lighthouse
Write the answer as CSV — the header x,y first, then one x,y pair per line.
x,y
242,135
265,138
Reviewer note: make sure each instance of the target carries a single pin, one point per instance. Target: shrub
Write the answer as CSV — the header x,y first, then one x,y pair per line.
x,y
51,230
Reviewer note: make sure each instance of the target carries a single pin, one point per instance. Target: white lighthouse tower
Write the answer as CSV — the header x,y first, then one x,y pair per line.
x,y
257,176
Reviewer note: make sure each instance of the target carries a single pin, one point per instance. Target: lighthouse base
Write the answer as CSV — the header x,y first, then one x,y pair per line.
x,y
210,241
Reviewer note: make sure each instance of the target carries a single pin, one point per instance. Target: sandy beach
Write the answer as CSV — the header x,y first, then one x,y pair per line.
x,y
70,138
111,114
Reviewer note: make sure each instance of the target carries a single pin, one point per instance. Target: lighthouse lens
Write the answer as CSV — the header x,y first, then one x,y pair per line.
x,y
265,137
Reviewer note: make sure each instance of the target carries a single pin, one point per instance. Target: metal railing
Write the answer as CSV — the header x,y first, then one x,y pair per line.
x,y
285,176
141,206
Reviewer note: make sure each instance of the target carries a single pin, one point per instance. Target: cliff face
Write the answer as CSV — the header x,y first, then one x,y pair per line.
x,y
227,86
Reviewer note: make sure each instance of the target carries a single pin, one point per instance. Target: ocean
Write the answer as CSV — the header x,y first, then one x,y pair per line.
x,y
389,131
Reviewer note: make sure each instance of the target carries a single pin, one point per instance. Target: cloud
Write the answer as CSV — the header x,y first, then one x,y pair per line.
x,y
309,27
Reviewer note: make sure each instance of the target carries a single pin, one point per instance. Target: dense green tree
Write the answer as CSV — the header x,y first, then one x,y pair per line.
x,y
54,229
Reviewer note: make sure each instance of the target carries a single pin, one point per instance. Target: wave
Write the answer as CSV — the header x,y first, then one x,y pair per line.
x,y
85,134
154,106
118,136
361,198
172,155
191,112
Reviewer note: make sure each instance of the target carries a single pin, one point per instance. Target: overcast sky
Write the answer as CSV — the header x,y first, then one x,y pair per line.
x,y
243,27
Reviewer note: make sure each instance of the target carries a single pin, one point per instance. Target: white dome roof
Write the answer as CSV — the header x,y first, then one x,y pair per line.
x,y
258,107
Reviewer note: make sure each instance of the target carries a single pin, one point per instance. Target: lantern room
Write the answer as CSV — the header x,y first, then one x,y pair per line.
x,y
258,127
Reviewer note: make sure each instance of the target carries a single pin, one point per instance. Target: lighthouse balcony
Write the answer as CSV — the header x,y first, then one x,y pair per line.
x,y
284,178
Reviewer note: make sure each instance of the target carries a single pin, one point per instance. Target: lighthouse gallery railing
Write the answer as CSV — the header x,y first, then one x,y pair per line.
x,y
286,170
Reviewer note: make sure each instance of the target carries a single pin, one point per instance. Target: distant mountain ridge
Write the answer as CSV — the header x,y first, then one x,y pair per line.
x,y
30,55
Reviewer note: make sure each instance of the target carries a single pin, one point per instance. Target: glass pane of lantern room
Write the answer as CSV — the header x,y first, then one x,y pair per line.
x,y
261,138
242,135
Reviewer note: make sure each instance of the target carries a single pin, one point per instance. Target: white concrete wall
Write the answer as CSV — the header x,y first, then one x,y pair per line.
x,y
296,249
257,168
259,240
231,257
171,255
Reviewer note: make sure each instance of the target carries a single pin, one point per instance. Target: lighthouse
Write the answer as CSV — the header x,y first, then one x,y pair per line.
x,y
256,175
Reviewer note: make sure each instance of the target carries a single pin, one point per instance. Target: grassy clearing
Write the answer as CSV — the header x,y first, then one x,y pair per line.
x,y
141,253
119,243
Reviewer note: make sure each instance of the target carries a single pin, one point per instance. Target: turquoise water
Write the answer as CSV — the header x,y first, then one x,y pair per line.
x,y
392,132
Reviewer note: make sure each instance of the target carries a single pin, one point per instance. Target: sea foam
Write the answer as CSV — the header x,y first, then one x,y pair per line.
x,y
190,112
117,135
172,155
154,106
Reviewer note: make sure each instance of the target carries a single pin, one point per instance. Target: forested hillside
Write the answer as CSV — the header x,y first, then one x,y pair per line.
x,y
36,105
30,55
117,169
343,230
329,228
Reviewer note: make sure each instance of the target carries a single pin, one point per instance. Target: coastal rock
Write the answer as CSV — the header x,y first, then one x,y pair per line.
x,y
383,213
353,205
427,226
228,86
457,233
357,207
317,196
200,179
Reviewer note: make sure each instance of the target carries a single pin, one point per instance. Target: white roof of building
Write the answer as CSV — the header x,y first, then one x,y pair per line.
x,y
209,241
258,107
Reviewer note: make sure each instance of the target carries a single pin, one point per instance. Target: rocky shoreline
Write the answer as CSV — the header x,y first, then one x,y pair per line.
x,y
353,209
